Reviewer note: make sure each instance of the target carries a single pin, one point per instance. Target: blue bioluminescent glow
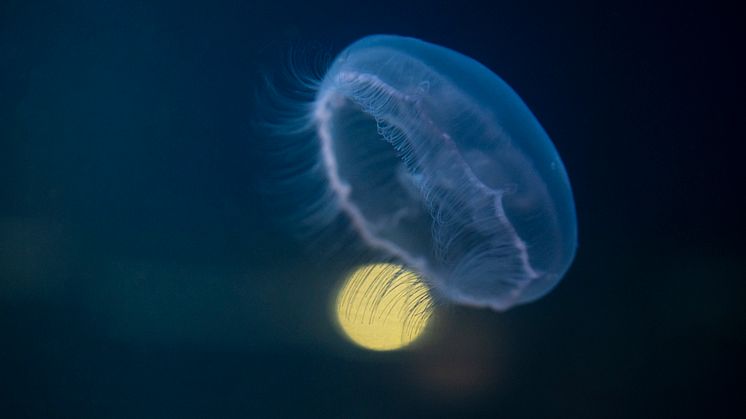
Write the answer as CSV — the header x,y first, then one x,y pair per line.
x,y
434,162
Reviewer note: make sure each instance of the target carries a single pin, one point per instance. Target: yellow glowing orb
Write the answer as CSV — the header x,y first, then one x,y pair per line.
x,y
383,307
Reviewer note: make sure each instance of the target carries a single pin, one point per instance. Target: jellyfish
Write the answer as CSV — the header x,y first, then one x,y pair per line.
x,y
430,160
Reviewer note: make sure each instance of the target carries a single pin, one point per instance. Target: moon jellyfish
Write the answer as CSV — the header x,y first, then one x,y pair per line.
x,y
432,162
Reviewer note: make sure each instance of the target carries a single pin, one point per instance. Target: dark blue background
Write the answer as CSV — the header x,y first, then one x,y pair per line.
x,y
139,276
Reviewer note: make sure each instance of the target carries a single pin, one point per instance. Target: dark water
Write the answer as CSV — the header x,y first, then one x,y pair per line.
x,y
139,276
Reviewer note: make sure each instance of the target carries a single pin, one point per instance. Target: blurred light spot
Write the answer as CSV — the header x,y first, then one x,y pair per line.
x,y
383,307
461,360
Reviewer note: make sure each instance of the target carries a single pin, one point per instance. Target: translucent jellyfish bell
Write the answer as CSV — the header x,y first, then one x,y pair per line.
x,y
438,164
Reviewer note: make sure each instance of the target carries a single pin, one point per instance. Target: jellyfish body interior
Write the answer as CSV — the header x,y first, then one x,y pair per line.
x,y
437,163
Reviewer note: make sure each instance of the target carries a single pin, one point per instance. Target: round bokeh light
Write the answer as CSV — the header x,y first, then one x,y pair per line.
x,y
383,307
